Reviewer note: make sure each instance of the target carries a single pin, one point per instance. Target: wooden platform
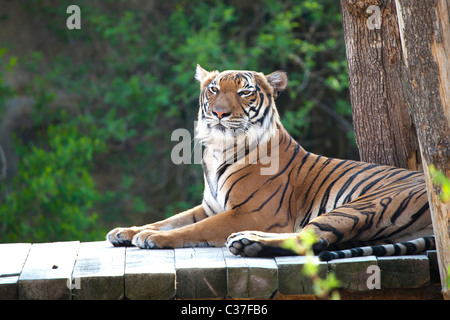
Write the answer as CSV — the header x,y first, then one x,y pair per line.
x,y
97,270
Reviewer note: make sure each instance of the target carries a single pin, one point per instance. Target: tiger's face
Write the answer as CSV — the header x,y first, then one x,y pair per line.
x,y
237,104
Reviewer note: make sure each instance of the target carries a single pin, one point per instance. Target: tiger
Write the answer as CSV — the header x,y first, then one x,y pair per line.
x,y
262,189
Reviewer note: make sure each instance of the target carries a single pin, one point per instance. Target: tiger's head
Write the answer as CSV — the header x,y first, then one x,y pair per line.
x,y
236,103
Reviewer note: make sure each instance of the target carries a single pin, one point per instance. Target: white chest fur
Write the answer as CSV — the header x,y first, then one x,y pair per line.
x,y
213,197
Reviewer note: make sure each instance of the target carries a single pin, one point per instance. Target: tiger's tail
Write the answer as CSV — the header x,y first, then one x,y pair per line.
x,y
395,249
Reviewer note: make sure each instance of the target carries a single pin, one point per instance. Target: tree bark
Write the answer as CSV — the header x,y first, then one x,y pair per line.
x,y
384,130
425,39
400,85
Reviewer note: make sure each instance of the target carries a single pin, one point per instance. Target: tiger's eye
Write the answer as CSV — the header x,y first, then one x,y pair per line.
x,y
244,93
214,89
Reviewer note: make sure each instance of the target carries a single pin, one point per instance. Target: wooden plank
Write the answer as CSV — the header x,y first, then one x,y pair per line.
x,y
255,278
404,271
291,279
47,271
353,272
200,273
8,288
12,259
149,274
99,272
434,266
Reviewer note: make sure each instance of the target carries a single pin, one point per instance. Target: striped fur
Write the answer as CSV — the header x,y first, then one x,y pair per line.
x,y
262,188
405,248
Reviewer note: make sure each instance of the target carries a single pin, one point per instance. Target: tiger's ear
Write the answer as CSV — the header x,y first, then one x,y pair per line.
x,y
200,73
278,80
204,77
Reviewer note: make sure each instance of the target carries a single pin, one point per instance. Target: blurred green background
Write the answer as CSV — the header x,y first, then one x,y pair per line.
x,y
86,115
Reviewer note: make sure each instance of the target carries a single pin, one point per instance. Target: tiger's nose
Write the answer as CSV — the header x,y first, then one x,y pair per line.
x,y
220,113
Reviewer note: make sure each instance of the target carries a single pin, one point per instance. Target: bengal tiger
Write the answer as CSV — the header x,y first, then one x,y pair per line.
x,y
262,188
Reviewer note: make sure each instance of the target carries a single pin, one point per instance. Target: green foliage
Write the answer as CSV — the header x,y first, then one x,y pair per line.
x,y
128,75
5,90
323,288
448,277
439,179
53,190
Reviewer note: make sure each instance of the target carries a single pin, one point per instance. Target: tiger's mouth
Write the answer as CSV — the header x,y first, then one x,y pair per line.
x,y
220,127
224,128
228,125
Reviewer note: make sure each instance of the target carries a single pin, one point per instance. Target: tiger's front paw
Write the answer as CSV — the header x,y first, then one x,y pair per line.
x,y
149,239
245,244
122,237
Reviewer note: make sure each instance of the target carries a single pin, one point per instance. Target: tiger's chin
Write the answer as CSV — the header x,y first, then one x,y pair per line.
x,y
220,127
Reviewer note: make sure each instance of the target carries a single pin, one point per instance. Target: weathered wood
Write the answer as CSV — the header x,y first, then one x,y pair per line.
x,y
47,271
434,266
149,274
440,48
98,272
425,40
200,273
384,131
12,259
255,278
404,272
431,292
353,272
291,278
398,71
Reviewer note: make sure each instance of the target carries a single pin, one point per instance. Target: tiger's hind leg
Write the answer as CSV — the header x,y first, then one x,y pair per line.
x,y
390,214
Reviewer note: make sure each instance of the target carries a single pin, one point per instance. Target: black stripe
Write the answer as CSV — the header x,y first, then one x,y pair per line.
x,y
257,109
379,251
297,148
266,112
289,144
429,243
232,173
344,215
403,205
284,192
247,113
268,199
397,249
412,173
303,162
245,201
410,247
231,187
349,181
209,206
326,227
357,252
326,196
324,165
221,170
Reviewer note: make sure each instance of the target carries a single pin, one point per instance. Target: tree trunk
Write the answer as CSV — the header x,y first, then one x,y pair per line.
x,y
384,131
425,38
398,66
